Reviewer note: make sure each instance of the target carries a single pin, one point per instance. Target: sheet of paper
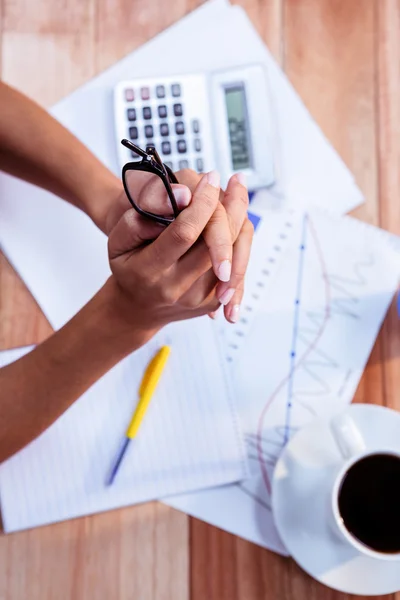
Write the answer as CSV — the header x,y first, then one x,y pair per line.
x,y
317,292
189,439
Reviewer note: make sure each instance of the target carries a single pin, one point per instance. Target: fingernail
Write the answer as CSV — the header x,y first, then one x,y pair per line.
x,y
182,196
214,314
234,314
214,178
242,179
224,270
226,296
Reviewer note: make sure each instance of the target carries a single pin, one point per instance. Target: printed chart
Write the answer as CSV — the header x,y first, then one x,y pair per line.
x,y
317,292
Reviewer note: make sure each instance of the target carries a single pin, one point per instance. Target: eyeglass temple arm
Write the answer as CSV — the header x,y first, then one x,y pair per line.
x,y
131,146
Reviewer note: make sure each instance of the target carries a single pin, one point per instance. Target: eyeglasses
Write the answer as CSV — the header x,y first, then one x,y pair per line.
x,y
147,184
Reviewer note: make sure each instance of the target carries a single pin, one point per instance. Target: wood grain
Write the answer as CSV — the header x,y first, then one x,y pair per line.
x,y
344,59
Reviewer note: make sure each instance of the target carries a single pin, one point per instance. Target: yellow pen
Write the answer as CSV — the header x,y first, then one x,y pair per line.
x,y
147,388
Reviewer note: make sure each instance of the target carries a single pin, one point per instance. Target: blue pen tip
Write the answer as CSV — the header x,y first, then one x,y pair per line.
x,y
118,462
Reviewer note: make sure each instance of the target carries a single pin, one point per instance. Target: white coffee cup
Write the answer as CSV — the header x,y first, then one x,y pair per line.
x,y
353,449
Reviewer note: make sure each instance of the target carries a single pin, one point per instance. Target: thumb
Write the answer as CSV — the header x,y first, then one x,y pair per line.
x,y
182,194
131,233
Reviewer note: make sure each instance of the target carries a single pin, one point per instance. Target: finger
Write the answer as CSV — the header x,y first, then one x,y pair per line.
x,y
149,193
191,179
131,232
218,238
209,304
236,203
213,315
186,229
232,310
199,291
182,194
230,295
193,276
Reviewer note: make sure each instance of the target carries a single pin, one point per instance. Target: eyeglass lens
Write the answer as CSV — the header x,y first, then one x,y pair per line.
x,y
149,193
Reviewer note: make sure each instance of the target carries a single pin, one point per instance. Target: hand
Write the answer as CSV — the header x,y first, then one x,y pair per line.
x,y
229,224
154,279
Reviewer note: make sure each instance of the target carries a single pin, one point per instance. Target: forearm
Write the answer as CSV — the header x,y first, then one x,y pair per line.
x,y
36,389
37,148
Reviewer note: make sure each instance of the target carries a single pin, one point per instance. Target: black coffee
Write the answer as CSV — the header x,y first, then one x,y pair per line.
x,y
369,502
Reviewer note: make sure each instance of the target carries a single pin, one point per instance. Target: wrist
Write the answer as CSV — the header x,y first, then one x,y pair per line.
x,y
115,316
100,197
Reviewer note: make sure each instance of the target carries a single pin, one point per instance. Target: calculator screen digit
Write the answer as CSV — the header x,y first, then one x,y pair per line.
x,y
236,108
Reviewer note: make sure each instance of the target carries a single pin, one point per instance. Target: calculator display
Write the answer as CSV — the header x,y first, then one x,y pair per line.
x,y
236,108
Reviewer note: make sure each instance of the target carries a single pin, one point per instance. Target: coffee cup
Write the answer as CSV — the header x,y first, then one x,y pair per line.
x,y
365,498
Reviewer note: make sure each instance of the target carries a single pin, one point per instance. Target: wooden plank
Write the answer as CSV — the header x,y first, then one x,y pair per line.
x,y
122,26
330,59
121,554
267,17
388,102
48,48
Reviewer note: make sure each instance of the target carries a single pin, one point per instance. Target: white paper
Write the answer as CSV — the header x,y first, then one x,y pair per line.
x,y
189,438
349,272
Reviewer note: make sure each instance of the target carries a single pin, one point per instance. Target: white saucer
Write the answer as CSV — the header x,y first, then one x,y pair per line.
x,y
301,489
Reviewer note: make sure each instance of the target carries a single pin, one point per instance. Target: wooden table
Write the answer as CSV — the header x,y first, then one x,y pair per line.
x,y
343,56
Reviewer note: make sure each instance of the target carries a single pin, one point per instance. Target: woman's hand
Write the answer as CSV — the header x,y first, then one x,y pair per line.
x,y
228,226
168,279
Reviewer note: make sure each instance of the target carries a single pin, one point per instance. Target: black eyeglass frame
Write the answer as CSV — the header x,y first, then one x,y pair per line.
x,y
151,163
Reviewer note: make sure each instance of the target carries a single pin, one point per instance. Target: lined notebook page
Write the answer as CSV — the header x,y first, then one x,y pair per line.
x,y
189,438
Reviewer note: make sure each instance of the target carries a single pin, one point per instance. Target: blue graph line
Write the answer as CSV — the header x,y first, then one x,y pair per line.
x,y
295,327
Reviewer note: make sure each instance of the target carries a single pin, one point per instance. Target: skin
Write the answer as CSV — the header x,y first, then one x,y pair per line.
x,y
159,274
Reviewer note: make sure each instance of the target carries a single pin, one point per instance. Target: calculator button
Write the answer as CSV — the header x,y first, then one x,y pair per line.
x,y
149,145
160,91
146,113
180,127
145,93
166,148
133,133
129,95
200,165
148,131
162,111
181,146
195,126
176,90
164,129
197,145
178,110
183,164
169,164
131,114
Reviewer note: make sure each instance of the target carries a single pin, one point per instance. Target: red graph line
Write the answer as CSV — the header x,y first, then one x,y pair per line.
x,y
300,361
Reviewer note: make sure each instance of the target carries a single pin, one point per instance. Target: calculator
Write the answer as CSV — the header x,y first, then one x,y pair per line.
x,y
219,120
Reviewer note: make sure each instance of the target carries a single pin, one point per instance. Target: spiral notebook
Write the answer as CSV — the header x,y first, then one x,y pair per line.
x,y
317,291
